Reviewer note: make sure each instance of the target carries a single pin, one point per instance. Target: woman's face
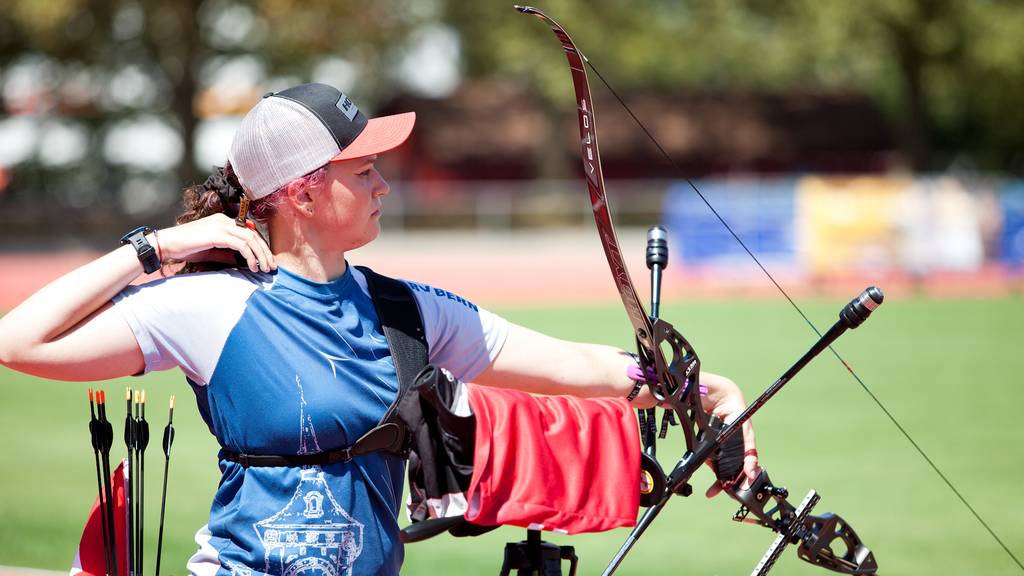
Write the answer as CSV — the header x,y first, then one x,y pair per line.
x,y
348,208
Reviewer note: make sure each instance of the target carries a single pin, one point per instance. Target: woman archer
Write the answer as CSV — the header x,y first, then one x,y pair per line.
x,y
285,349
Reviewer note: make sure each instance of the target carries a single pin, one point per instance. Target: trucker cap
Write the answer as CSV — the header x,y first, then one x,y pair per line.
x,y
293,132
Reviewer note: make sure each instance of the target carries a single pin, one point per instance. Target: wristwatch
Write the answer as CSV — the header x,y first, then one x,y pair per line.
x,y
147,254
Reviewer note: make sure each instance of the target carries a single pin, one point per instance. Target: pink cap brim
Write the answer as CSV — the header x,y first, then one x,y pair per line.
x,y
380,135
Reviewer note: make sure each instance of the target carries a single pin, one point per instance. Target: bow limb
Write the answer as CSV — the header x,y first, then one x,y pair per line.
x,y
591,156
677,377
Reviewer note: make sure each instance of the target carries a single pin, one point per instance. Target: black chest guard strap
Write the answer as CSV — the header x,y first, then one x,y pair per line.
x,y
403,327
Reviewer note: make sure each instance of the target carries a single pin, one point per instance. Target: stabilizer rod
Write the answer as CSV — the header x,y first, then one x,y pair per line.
x,y
851,316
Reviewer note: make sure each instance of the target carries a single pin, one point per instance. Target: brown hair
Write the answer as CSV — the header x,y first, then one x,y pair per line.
x,y
222,193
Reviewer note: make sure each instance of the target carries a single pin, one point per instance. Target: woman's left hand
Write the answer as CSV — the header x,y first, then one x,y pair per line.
x,y
725,401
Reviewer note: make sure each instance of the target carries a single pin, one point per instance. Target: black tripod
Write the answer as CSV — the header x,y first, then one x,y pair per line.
x,y
534,557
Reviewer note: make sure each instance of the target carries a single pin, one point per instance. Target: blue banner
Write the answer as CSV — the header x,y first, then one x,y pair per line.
x,y
761,212
1011,242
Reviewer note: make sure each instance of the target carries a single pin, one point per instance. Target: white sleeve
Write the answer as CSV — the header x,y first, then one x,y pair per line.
x,y
185,320
462,337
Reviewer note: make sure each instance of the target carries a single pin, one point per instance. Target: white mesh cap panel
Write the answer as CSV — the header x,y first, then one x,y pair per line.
x,y
278,141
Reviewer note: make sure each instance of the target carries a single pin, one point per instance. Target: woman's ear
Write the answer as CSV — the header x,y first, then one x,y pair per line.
x,y
299,199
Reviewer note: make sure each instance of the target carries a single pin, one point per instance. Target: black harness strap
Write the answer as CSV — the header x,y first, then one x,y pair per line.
x,y
402,325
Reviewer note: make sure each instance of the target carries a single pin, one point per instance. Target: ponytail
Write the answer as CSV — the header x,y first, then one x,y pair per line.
x,y
220,194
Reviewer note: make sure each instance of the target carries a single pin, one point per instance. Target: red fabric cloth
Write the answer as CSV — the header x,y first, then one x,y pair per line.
x,y
556,463
89,561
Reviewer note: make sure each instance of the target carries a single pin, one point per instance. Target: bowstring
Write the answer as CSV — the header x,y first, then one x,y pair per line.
x,y
796,307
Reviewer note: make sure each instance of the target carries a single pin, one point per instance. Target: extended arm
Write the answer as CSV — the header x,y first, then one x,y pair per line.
x,y
534,362
537,363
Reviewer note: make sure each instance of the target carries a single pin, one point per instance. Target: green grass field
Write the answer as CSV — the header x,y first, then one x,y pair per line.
x,y
950,370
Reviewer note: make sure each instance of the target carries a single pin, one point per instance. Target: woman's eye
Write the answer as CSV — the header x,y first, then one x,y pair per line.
x,y
363,173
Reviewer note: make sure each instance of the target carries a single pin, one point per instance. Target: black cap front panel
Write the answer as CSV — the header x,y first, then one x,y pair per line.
x,y
334,109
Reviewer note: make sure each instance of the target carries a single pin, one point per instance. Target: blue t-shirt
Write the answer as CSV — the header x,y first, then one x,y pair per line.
x,y
284,365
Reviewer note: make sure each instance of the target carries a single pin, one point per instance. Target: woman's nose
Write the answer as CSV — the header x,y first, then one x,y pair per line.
x,y
382,188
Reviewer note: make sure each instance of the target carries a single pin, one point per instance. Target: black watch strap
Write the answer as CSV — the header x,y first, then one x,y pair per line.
x,y
147,254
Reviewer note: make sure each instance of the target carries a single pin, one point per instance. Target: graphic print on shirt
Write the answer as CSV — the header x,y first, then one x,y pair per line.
x,y
305,424
312,535
379,339
237,569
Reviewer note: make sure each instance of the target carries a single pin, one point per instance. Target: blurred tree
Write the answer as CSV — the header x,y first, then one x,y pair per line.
x,y
110,62
171,36
947,72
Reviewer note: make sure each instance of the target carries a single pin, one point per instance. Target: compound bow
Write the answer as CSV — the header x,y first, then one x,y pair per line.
x,y
826,540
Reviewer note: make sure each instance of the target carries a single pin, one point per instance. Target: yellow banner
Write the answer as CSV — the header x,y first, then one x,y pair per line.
x,y
850,224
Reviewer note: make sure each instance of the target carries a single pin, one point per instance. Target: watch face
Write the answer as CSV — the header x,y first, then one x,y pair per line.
x,y
146,252
140,232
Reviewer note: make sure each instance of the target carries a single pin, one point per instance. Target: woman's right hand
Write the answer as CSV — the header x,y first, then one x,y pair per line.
x,y
215,238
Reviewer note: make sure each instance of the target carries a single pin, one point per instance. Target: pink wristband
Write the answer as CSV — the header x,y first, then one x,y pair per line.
x,y
640,376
